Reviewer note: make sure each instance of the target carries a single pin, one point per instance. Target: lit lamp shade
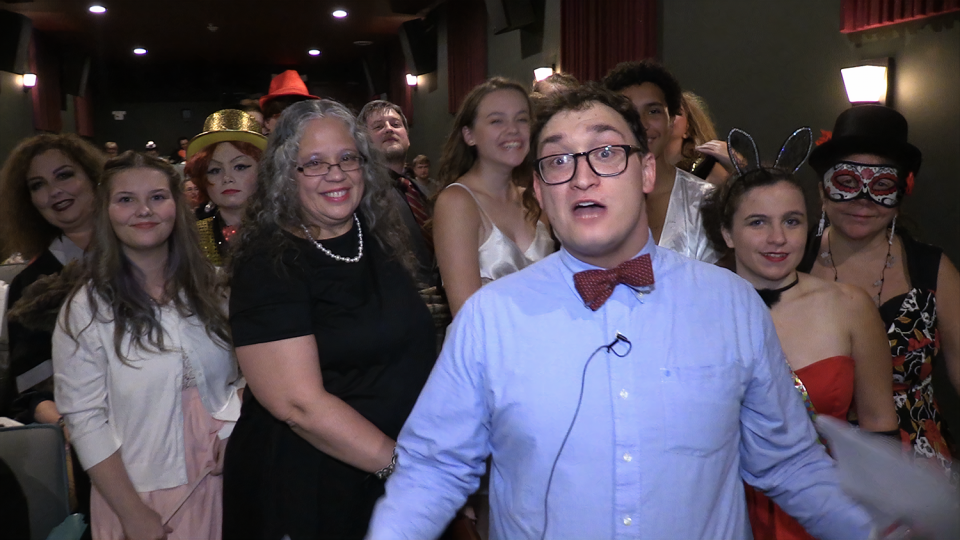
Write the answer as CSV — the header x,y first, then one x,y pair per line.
x,y
542,73
865,84
29,80
411,80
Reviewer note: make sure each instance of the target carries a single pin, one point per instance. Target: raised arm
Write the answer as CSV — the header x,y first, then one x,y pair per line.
x,y
873,367
456,239
285,377
948,315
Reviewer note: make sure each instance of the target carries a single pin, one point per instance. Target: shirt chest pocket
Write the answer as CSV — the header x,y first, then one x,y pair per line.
x,y
701,408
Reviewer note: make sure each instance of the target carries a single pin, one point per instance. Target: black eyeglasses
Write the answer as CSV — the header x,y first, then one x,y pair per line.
x,y
348,163
610,160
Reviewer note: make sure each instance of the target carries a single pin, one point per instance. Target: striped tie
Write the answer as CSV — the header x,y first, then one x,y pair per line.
x,y
418,207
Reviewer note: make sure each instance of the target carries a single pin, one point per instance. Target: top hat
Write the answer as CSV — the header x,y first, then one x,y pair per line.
x,y
868,129
287,83
228,125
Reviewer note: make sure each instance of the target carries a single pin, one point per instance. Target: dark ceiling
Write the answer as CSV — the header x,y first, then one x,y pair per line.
x,y
232,44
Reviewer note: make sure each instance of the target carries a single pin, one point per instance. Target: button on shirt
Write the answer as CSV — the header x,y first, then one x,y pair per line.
x,y
664,436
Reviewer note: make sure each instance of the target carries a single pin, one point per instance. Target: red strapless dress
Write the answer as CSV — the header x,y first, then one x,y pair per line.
x,y
829,384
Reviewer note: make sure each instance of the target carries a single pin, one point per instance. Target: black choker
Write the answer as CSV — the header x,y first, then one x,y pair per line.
x,y
772,296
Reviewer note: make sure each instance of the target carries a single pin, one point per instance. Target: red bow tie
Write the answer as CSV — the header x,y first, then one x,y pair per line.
x,y
596,286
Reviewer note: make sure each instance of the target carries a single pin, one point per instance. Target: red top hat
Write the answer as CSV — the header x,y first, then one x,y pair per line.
x,y
287,83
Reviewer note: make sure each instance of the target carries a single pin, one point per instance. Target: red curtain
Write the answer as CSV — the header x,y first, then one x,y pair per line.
x,y
45,62
857,15
466,49
83,112
596,35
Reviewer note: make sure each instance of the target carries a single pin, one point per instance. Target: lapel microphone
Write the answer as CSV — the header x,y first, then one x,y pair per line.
x,y
619,351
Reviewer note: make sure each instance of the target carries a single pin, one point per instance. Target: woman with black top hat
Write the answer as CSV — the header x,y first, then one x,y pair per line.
x,y
223,163
867,167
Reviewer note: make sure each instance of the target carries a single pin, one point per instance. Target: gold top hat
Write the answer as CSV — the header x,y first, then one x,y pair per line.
x,y
228,125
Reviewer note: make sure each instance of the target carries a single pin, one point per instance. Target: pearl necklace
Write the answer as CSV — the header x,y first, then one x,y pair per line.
x,y
333,255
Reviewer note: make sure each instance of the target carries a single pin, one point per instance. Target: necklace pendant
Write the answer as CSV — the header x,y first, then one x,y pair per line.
x,y
827,257
878,283
890,261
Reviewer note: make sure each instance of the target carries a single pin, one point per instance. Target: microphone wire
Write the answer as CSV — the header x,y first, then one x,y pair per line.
x,y
583,380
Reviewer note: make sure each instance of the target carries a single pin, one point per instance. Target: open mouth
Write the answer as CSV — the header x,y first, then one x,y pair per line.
x,y
336,196
588,209
512,145
60,206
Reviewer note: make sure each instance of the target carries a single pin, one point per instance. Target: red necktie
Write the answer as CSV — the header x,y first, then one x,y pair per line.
x,y
596,286
417,206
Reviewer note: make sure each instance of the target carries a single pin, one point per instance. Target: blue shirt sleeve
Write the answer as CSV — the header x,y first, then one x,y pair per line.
x,y
780,453
444,444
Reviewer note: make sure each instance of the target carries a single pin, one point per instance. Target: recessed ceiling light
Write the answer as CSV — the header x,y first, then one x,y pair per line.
x,y
97,9
314,52
339,13
140,51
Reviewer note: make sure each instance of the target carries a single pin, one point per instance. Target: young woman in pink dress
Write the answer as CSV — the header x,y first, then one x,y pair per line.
x,y
145,375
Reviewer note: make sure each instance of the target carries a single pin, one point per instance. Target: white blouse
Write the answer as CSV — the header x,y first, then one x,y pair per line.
x,y
110,405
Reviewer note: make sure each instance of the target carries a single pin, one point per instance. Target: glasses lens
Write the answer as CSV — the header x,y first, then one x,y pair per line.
x,y
350,163
315,168
557,169
608,160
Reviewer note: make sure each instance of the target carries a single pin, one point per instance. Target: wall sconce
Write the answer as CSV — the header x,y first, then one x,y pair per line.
x,y
542,73
866,83
411,80
29,81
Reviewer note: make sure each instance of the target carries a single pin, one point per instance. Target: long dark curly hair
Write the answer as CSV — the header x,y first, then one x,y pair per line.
x,y
22,228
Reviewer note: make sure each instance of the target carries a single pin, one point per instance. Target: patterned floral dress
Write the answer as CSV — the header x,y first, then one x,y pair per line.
x,y
911,321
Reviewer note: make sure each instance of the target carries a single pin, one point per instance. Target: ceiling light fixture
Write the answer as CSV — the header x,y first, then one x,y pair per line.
x,y
411,80
29,80
363,43
339,13
314,52
96,8
140,51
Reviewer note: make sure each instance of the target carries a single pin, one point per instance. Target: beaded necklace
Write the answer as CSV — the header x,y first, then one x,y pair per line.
x,y
827,257
333,255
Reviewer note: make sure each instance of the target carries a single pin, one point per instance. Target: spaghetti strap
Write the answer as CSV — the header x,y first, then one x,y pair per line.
x,y
483,213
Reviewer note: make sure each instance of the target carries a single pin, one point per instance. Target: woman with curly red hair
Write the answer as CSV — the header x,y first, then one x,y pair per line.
x,y
223,161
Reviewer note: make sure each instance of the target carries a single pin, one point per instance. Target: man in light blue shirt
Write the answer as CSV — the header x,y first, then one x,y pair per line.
x,y
612,407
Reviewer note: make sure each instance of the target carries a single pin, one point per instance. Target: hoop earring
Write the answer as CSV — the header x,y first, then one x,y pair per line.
x,y
893,229
823,222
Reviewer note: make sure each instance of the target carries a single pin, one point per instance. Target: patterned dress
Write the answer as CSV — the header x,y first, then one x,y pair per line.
x,y
911,321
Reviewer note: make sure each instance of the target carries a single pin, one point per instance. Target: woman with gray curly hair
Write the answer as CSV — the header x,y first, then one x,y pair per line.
x,y
330,332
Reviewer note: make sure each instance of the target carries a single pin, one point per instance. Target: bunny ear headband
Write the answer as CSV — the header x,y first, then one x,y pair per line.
x,y
746,158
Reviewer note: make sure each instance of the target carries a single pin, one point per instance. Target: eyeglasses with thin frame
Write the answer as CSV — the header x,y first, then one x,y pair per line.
x,y
609,160
347,163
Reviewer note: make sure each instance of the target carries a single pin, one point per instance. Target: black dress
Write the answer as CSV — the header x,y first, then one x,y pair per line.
x,y
376,345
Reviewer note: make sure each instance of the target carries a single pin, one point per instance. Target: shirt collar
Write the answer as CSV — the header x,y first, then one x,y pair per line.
x,y
571,265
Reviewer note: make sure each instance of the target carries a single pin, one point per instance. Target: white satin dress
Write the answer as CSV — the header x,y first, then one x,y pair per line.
x,y
499,255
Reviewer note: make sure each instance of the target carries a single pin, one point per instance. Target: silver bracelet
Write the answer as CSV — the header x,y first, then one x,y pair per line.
x,y
385,472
